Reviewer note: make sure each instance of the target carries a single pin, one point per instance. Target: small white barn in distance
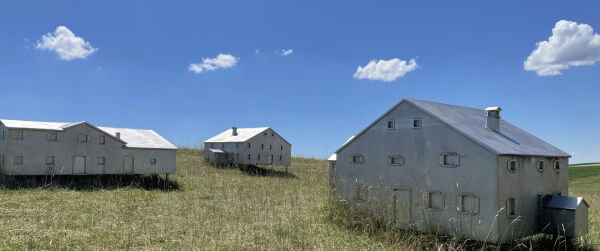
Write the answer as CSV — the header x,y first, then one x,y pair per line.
x,y
459,170
248,146
45,148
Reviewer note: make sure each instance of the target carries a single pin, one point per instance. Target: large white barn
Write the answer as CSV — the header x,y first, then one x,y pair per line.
x,y
458,170
54,148
248,146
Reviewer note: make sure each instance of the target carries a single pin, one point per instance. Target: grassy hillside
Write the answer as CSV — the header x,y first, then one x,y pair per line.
x,y
207,208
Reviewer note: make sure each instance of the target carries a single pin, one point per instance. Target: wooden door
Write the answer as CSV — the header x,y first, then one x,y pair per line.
x,y
128,164
402,207
79,165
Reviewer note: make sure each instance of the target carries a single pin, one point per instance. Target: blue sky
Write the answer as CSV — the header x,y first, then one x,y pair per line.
x,y
136,71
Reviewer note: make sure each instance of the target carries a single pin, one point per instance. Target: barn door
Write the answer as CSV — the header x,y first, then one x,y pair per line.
x,y
401,201
128,164
79,165
270,159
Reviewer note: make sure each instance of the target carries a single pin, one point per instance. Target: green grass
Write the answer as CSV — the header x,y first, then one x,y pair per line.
x,y
204,207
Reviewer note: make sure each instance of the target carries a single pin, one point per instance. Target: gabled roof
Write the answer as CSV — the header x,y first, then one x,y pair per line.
x,y
243,135
140,138
132,138
509,140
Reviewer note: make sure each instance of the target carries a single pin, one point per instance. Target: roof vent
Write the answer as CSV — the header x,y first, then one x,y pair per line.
x,y
118,135
492,115
234,131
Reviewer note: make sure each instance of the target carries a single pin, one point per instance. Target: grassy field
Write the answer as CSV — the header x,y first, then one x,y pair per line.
x,y
204,207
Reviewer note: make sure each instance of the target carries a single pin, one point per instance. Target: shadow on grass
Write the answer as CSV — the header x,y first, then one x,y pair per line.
x,y
89,182
342,215
254,170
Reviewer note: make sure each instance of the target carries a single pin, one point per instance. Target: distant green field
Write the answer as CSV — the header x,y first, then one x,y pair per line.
x,y
204,207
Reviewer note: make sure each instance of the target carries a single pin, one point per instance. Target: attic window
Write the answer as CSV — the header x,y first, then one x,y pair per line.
x,y
416,123
435,200
237,145
449,159
51,136
82,138
511,210
556,166
468,204
512,166
357,159
272,134
248,145
391,124
395,160
281,147
540,166
101,139
17,135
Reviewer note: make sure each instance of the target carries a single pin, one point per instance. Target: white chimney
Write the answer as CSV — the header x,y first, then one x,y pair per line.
x,y
118,135
234,131
492,115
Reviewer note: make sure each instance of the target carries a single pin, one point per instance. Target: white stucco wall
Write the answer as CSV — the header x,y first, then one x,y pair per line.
x,y
34,147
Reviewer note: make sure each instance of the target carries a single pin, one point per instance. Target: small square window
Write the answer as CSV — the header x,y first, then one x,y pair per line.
x,y
556,166
101,161
390,124
102,140
468,203
512,166
435,200
17,135
540,166
153,161
416,123
49,160
449,159
82,138
18,160
357,159
511,205
396,160
51,136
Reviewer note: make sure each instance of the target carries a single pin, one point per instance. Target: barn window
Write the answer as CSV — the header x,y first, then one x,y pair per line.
x,y
357,159
248,156
416,123
100,161
212,145
435,200
49,160
468,203
449,159
248,145
153,161
18,160
512,166
17,135
279,157
272,134
540,166
51,136
511,210
262,146
270,147
390,124
82,138
223,145
361,192
281,148
101,139
237,145
556,166
258,156
395,160
3,134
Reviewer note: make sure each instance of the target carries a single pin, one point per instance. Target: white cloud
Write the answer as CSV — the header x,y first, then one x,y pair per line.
x,y
64,43
571,44
211,64
286,52
385,70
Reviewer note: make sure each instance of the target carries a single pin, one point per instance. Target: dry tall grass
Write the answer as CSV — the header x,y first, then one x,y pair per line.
x,y
204,207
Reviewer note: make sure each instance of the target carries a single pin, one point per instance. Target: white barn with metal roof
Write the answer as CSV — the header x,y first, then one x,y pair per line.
x,y
248,146
458,170
54,148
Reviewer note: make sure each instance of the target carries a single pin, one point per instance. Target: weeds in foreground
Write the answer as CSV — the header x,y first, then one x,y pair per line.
x,y
345,216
